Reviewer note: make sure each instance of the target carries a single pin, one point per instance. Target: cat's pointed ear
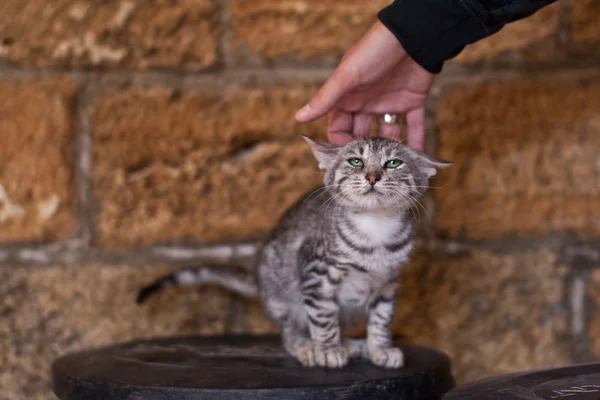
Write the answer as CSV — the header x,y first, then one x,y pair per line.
x,y
325,153
431,165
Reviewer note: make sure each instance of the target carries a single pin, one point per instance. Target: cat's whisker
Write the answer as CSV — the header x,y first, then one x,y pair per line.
x,y
429,187
320,193
393,185
400,201
406,204
331,198
397,136
412,208
346,134
322,190
411,203
422,206
339,204
334,196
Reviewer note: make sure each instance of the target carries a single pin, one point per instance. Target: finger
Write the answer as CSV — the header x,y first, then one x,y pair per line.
x,y
361,125
391,131
341,82
339,129
415,127
391,102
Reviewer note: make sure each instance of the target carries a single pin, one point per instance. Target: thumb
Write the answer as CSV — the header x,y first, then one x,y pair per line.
x,y
337,86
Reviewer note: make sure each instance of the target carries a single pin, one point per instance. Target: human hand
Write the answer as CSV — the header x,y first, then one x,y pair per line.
x,y
375,77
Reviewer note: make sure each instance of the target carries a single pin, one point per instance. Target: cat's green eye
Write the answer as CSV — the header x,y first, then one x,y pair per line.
x,y
355,162
395,163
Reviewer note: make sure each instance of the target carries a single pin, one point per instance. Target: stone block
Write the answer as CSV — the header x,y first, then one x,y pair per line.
x,y
307,29
492,313
196,167
123,33
526,160
585,21
50,311
37,148
529,36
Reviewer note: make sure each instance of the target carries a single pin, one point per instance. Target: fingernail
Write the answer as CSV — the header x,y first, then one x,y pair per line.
x,y
303,111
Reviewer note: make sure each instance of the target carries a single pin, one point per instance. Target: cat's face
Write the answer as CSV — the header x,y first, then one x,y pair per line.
x,y
375,173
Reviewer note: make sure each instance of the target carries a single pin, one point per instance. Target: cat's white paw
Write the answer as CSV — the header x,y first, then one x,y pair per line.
x,y
306,355
387,357
334,357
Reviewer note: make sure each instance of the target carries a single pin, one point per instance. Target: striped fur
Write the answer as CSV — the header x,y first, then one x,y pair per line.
x,y
335,255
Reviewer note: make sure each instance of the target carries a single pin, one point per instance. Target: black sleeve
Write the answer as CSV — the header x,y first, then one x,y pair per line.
x,y
433,31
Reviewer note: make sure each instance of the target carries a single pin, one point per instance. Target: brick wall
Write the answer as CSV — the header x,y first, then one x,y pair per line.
x,y
139,136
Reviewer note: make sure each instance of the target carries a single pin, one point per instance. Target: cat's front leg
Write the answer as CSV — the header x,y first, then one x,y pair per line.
x,y
323,321
379,342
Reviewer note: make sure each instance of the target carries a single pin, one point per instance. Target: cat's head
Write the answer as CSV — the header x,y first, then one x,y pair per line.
x,y
375,173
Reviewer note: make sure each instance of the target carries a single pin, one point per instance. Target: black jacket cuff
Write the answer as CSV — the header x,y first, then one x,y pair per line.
x,y
433,31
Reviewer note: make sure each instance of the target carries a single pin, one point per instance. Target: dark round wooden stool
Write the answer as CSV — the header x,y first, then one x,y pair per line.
x,y
238,367
579,382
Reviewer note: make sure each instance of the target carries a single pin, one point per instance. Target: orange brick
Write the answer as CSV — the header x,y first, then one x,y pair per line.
x,y
526,160
308,28
37,145
486,303
585,21
131,33
522,35
199,167
50,311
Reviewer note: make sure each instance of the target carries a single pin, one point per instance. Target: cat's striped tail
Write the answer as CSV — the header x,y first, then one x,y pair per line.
x,y
236,279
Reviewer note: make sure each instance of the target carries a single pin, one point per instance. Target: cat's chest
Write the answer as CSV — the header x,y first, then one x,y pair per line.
x,y
377,241
373,228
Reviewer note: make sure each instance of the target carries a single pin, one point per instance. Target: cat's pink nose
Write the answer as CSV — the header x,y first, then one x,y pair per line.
x,y
373,178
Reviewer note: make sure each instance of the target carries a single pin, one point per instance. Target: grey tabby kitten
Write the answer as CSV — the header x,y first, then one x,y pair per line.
x,y
336,254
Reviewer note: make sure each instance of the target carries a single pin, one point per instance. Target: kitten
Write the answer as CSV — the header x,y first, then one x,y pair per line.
x,y
336,254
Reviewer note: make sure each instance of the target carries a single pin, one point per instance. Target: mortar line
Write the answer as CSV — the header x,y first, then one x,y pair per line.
x,y
71,252
556,242
579,308
83,166
226,33
576,303
454,74
563,36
